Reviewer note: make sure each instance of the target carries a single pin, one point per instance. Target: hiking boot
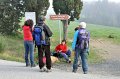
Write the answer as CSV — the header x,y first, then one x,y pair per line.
x,y
74,70
27,65
48,70
33,65
69,61
42,69
85,72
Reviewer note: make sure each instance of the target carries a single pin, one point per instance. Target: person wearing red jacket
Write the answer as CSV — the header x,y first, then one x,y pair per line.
x,y
28,42
63,51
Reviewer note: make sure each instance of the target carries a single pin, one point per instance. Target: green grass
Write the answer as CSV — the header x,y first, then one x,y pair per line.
x,y
2,44
99,31
14,49
94,57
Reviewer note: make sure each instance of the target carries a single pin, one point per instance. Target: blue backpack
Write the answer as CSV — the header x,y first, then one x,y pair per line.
x,y
39,35
83,39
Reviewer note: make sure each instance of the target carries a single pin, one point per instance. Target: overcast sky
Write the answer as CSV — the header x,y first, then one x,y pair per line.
x,y
97,0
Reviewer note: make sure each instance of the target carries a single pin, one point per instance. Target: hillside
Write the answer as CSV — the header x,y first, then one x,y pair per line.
x,y
14,50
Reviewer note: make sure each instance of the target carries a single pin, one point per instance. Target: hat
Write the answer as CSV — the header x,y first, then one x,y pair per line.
x,y
40,20
82,24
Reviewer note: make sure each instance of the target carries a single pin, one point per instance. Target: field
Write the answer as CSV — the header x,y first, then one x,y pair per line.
x,y
11,47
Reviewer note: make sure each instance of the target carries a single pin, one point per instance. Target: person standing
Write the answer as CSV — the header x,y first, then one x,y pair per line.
x,y
79,59
28,42
44,47
81,45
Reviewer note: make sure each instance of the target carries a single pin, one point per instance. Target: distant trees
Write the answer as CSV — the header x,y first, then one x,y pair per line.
x,y
101,12
70,7
11,12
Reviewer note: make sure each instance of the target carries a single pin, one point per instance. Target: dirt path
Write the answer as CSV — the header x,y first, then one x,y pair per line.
x,y
111,53
107,49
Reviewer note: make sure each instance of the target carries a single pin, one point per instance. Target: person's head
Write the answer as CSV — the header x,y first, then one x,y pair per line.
x,y
82,25
41,20
76,28
63,42
29,23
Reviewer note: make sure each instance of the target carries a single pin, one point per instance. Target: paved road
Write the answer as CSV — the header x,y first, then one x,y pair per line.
x,y
15,70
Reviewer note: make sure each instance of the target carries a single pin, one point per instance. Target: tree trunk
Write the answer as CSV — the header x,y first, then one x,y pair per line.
x,y
65,26
37,17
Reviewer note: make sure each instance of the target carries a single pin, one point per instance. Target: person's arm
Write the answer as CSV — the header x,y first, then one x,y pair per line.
x,y
88,49
57,49
75,39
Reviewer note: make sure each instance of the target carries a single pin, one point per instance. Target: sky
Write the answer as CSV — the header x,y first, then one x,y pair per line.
x,y
97,0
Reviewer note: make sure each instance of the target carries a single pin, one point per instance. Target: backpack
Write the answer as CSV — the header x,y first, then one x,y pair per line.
x,y
39,35
48,31
83,39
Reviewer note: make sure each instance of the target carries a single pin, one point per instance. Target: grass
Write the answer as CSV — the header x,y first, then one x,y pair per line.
x,y
94,57
14,49
99,31
2,44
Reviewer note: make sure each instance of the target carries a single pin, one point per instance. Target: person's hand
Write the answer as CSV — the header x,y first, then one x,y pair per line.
x,y
88,51
73,50
60,51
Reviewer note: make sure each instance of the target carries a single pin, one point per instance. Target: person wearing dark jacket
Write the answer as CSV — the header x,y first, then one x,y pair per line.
x,y
45,47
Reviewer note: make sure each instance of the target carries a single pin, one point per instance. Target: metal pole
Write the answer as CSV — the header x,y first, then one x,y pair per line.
x,y
59,27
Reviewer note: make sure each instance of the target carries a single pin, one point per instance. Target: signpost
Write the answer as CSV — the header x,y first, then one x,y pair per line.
x,y
60,17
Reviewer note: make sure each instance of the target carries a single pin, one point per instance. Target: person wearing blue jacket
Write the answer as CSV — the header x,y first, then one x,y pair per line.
x,y
81,47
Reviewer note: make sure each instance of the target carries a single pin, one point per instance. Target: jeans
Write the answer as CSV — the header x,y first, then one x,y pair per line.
x,y
29,48
41,50
83,54
66,55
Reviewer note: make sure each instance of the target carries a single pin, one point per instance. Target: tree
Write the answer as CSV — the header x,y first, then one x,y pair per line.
x,y
10,16
11,12
38,6
70,7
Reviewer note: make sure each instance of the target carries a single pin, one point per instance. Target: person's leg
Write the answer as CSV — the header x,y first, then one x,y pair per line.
x,y
83,55
40,57
31,48
68,53
65,56
75,63
26,53
79,61
48,56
